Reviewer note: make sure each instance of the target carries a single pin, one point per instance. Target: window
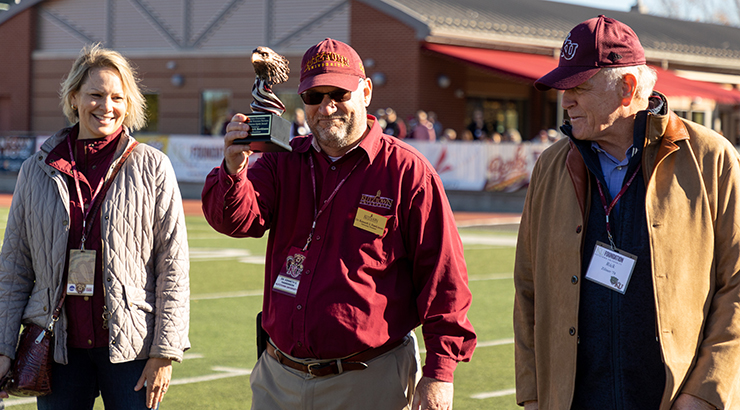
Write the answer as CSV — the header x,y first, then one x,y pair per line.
x,y
698,117
152,113
214,110
503,119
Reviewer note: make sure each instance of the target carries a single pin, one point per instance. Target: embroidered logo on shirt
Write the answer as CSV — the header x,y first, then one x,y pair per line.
x,y
376,201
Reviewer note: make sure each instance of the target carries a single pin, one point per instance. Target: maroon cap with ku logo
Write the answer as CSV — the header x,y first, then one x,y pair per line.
x,y
592,45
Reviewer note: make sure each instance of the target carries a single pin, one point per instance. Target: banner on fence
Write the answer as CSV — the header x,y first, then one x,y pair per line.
x,y
464,166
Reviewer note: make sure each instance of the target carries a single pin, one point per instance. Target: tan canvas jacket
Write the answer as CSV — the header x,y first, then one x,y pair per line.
x,y
145,255
692,187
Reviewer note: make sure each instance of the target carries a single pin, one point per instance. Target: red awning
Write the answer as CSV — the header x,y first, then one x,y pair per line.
x,y
527,67
530,67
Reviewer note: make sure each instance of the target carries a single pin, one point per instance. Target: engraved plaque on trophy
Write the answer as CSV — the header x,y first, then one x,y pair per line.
x,y
269,131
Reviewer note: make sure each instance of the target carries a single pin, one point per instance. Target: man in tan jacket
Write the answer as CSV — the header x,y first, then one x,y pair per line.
x,y
626,275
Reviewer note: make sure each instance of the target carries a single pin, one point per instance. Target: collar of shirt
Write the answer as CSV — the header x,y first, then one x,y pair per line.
x,y
613,170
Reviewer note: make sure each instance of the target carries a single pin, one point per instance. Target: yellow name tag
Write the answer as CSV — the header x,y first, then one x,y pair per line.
x,y
370,222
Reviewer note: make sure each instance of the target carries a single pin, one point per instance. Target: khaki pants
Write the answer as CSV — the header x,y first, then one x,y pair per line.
x,y
388,383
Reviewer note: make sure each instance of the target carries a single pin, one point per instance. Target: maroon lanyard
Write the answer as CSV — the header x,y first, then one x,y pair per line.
x,y
316,211
85,213
100,191
609,208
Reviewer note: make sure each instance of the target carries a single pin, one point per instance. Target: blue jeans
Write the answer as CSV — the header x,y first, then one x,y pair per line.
x,y
89,373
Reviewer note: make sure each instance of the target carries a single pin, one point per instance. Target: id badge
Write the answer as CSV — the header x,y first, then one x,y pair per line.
x,y
611,268
81,277
289,278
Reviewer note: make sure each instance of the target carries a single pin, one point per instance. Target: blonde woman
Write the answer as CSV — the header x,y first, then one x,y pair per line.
x,y
120,251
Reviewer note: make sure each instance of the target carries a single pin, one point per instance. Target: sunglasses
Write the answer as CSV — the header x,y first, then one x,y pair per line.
x,y
315,98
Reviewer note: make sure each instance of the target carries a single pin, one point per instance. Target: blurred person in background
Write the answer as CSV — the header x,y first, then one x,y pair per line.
x,y
423,130
478,126
299,127
438,128
124,254
395,126
448,135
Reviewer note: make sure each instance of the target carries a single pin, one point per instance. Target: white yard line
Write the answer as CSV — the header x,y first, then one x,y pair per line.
x,y
488,395
227,295
223,373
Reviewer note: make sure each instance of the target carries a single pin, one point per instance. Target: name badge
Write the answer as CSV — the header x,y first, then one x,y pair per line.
x,y
81,276
611,268
370,221
289,278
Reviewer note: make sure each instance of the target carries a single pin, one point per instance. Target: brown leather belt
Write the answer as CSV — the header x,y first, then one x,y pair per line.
x,y
336,366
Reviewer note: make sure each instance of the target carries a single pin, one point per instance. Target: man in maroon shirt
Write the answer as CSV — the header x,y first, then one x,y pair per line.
x,y
362,249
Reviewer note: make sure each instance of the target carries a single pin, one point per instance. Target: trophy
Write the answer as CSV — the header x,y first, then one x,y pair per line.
x,y
270,132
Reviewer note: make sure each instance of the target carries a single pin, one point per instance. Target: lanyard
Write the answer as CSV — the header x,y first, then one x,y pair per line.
x,y
316,211
609,208
85,212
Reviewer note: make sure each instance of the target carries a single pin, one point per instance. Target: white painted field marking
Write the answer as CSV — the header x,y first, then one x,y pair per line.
x,y
490,343
492,276
488,240
488,395
217,253
18,402
227,295
225,372
242,255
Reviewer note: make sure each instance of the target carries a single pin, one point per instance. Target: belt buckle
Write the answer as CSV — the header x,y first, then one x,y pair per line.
x,y
311,366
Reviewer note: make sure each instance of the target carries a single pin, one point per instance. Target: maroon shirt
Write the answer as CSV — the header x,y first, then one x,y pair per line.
x,y
94,157
358,289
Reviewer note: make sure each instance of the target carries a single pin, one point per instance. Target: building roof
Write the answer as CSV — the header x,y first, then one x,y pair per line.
x,y
540,26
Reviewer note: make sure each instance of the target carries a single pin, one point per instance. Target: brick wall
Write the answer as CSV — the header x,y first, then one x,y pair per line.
x,y
15,66
391,44
411,72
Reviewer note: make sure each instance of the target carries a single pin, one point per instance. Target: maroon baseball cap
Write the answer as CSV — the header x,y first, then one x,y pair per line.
x,y
331,63
592,45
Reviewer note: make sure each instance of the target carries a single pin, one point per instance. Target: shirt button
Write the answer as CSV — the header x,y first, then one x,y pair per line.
x,y
307,271
299,344
619,168
299,307
87,298
65,222
89,342
318,237
572,331
333,168
87,206
574,279
578,229
94,166
108,279
113,342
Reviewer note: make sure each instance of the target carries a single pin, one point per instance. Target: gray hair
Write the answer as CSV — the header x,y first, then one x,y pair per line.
x,y
95,56
646,78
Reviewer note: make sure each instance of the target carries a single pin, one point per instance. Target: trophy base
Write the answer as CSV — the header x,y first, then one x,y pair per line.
x,y
270,133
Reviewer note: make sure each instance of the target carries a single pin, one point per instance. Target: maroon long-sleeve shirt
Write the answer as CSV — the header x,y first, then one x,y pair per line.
x,y
385,255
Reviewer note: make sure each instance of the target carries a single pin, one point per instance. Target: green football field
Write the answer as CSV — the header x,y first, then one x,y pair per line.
x,y
226,283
